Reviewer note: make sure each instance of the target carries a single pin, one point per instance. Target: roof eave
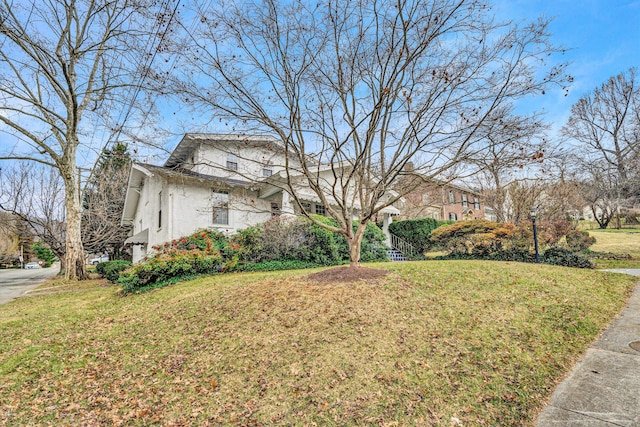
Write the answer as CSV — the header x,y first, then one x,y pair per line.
x,y
132,197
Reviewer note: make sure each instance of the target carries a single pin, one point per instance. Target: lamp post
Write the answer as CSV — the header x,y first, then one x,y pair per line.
x,y
535,234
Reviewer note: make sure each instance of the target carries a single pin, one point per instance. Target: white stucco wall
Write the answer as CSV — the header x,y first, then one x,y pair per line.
x,y
187,207
191,209
147,215
212,160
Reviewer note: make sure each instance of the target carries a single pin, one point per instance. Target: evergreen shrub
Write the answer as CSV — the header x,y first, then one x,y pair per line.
x,y
415,231
579,241
280,243
277,265
169,267
44,253
566,258
110,270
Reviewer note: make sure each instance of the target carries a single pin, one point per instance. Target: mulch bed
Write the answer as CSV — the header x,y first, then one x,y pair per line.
x,y
345,275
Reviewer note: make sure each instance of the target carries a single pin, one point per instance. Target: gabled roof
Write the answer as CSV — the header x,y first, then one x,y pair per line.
x,y
191,140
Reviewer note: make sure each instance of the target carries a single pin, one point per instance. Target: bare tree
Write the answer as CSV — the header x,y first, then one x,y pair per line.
x,y
606,124
603,191
516,144
562,197
362,88
35,196
59,63
15,240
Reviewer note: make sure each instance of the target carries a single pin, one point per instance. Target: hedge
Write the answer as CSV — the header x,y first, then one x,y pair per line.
x,y
168,268
416,231
280,243
110,270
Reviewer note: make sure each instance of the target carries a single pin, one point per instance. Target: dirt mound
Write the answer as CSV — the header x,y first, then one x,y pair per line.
x,y
345,275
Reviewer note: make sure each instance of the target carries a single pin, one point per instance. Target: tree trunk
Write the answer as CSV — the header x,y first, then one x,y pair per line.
x,y
74,268
355,242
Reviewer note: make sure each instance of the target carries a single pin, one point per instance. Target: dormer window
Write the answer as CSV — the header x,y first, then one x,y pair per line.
x,y
232,162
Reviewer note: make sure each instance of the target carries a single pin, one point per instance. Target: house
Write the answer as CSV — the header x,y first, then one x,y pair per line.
x,y
443,201
213,181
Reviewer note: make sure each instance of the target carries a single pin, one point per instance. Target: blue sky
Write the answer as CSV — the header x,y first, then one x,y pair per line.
x,y
603,38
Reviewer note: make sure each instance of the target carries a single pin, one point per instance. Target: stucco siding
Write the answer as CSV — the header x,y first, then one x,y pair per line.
x,y
212,160
188,207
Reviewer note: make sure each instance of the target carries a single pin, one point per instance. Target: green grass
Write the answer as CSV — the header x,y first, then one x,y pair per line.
x,y
625,241
593,225
485,342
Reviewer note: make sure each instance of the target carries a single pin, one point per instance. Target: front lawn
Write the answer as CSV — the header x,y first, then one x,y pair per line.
x,y
433,341
626,241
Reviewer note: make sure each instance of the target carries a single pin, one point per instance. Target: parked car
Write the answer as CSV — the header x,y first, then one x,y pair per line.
x,y
31,265
98,260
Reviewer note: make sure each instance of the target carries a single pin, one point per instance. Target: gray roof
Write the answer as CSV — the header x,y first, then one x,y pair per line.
x,y
178,172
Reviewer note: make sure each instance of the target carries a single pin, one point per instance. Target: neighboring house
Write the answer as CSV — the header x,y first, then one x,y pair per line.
x,y
224,182
490,214
443,201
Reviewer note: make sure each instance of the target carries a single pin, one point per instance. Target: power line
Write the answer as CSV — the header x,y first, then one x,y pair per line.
x,y
152,48
146,68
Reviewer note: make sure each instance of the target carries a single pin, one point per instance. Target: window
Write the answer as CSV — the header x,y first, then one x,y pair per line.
x,y
426,198
220,207
465,200
232,162
267,170
476,203
453,216
275,209
320,210
160,209
452,197
306,206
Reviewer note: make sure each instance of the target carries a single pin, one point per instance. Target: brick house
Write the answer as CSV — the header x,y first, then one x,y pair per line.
x,y
443,201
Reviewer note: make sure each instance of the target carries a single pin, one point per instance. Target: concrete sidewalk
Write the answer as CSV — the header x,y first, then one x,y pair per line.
x,y
603,389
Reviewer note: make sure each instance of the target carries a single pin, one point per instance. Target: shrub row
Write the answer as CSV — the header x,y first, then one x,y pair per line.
x,y
276,265
166,268
553,256
482,239
605,255
281,243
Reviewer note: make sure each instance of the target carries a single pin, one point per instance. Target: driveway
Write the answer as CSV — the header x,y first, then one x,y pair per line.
x,y
14,283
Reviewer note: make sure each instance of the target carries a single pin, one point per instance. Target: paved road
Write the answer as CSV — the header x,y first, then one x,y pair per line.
x,y
14,283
